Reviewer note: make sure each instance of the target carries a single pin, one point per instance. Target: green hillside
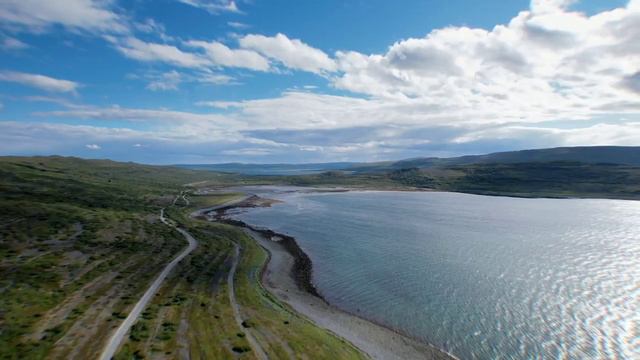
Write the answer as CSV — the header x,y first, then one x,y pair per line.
x,y
623,155
81,240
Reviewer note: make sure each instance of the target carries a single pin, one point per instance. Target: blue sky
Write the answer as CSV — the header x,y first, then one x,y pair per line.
x,y
203,81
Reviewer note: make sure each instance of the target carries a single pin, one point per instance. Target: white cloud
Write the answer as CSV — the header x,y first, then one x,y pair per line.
x,y
248,152
170,117
627,134
623,134
53,100
171,80
151,26
220,104
237,25
9,43
222,55
292,53
545,64
39,81
214,79
255,53
153,52
456,88
549,6
38,15
93,146
166,81
213,6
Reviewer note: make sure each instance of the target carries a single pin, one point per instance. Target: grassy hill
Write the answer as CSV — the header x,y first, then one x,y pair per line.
x,y
271,169
623,155
81,240
73,233
529,179
533,179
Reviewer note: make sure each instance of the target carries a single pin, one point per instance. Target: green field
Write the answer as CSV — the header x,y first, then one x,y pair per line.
x,y
80,241
74,235
197,295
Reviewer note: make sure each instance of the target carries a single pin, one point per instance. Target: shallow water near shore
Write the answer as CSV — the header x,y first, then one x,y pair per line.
x,y
481,277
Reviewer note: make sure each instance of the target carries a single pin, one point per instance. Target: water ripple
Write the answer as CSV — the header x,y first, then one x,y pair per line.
x,y
483,277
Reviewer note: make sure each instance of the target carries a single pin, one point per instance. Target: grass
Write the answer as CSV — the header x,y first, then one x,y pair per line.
x,y
535,179
209,200
80,240
195,301
74,234
529,179
282,331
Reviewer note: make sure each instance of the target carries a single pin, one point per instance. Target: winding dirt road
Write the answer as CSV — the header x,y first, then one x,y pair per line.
x,y
114,343
116,339
255,345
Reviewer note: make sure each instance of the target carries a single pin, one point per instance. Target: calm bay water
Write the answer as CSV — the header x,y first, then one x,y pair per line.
x,y
482,277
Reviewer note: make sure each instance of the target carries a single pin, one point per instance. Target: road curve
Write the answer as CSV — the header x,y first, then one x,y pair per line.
x,y
114,343
255,345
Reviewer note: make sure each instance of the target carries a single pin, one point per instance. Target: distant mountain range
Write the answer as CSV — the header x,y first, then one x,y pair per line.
x,y
272,169
624,155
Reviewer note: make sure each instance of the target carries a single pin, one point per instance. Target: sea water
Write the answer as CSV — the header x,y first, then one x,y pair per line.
x,y
481,277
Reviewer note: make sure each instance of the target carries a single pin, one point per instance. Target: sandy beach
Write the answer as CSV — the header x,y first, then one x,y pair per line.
x,y
377,341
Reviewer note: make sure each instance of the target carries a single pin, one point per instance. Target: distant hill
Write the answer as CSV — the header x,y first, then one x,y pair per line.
x,y
622,155
75,169
271,169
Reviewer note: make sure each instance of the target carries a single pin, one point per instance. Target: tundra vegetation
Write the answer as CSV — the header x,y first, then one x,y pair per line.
x,y
81,240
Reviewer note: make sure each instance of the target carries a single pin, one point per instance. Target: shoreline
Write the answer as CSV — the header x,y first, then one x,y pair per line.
x,y
287,274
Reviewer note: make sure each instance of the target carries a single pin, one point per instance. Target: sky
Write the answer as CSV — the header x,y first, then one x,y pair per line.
x,y
212,81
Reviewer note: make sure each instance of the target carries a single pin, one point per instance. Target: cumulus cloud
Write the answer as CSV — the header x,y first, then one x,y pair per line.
x,y
84,15
550,76
93,146
256,53
549,6
137,49
179,143
222,55
39,81
292,53
547,63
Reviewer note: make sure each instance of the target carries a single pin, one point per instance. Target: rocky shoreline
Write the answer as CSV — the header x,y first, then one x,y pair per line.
x,y
378,341
302,267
